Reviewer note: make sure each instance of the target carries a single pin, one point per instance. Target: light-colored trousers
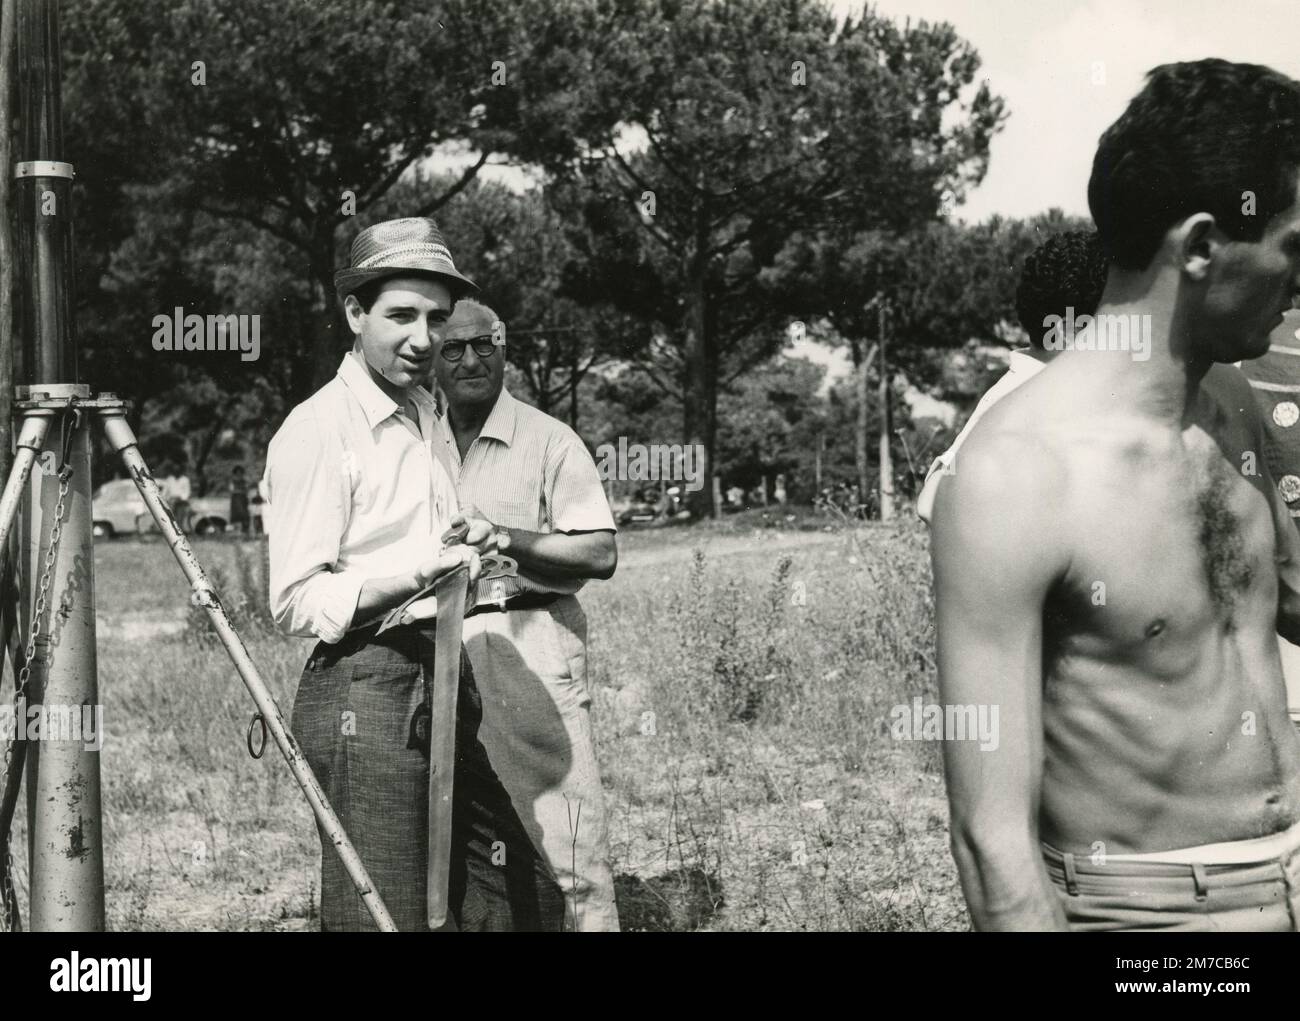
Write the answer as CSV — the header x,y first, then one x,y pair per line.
x,y
531,669
1139,896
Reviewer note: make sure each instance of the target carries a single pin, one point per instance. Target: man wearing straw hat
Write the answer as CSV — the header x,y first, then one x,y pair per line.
x,y
361,504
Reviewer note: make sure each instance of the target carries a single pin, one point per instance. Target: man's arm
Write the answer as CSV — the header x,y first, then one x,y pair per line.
x,y
560,554
581,541
996,550
379,595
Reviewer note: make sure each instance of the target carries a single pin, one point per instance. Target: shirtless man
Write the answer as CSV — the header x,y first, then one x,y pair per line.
x,y
1112,560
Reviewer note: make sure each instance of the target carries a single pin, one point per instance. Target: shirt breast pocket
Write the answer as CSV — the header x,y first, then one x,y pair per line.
x,y
514,514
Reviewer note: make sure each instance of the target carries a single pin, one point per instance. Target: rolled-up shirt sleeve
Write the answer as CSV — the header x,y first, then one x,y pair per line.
x,y
575,499
310,490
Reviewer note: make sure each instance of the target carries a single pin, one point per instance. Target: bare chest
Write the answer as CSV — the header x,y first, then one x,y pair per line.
x,y
1166,551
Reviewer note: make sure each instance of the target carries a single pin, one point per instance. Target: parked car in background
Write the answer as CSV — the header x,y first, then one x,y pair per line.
x,y
650,506
118,509
209,515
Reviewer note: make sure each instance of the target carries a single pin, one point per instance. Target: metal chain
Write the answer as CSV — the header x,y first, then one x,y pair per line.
x,y
38,612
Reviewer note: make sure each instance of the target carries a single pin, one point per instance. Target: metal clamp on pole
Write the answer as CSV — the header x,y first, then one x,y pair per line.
x,y
44,168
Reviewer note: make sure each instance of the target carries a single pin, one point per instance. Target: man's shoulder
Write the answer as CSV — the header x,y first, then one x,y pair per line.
x,y
1011,459
548,429
308,418
1004,451
1002,504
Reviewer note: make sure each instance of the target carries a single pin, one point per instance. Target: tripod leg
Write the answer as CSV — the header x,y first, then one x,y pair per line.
x,y
30,440
123,441
18,746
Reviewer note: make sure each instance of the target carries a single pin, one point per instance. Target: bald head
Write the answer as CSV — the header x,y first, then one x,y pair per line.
x,y
471,310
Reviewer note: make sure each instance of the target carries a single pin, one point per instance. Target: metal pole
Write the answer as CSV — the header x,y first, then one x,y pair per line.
x,y
8,24
43,193
64,837
122,439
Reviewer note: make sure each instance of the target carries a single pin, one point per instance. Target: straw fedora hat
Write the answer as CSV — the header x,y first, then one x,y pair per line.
x,y
413,244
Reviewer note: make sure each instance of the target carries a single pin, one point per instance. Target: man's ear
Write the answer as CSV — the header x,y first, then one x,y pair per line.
x,y
352,309
1196,242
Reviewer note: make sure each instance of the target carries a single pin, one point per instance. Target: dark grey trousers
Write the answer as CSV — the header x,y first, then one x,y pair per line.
x,y
353,717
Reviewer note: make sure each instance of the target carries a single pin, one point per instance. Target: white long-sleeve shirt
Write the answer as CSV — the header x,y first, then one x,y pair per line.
x,y
357,494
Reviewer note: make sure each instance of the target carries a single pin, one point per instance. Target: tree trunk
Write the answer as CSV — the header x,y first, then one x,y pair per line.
x,y
200,459
861,436
326,345
573,388
700,393
886,462
862,432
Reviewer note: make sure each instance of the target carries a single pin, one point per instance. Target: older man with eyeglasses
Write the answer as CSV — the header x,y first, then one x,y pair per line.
x,y
528,488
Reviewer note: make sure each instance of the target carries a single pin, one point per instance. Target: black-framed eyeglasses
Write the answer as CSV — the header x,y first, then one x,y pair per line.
x,y
454,350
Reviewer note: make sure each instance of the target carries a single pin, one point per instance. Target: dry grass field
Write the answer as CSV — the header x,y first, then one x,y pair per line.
x,y
742,676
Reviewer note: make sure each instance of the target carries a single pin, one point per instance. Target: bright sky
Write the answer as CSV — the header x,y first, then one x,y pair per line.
x,y
1039,56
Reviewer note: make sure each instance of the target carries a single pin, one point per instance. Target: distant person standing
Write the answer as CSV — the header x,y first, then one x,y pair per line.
x,y
239,499
175,486
262,507
529,489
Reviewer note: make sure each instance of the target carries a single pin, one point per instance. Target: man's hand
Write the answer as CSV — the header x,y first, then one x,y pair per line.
x,y
446,562
472,528
379,595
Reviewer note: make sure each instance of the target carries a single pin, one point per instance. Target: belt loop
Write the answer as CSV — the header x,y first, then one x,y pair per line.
x,y
1202,881
1071,876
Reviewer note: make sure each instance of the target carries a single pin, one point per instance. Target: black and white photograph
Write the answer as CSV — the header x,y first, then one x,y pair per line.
x,y
651,466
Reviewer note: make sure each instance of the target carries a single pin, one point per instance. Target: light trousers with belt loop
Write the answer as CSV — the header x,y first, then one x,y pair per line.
x,y
1143,896
531,670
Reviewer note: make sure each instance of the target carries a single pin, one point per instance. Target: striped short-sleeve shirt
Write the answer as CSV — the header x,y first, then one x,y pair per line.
x,y
531,471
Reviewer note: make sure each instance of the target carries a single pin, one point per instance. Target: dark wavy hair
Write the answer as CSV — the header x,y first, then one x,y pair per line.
x,y
1195,139
1068,269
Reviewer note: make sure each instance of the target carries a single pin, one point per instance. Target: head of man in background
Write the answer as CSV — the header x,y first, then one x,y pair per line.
x,y
1067,271
470,368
